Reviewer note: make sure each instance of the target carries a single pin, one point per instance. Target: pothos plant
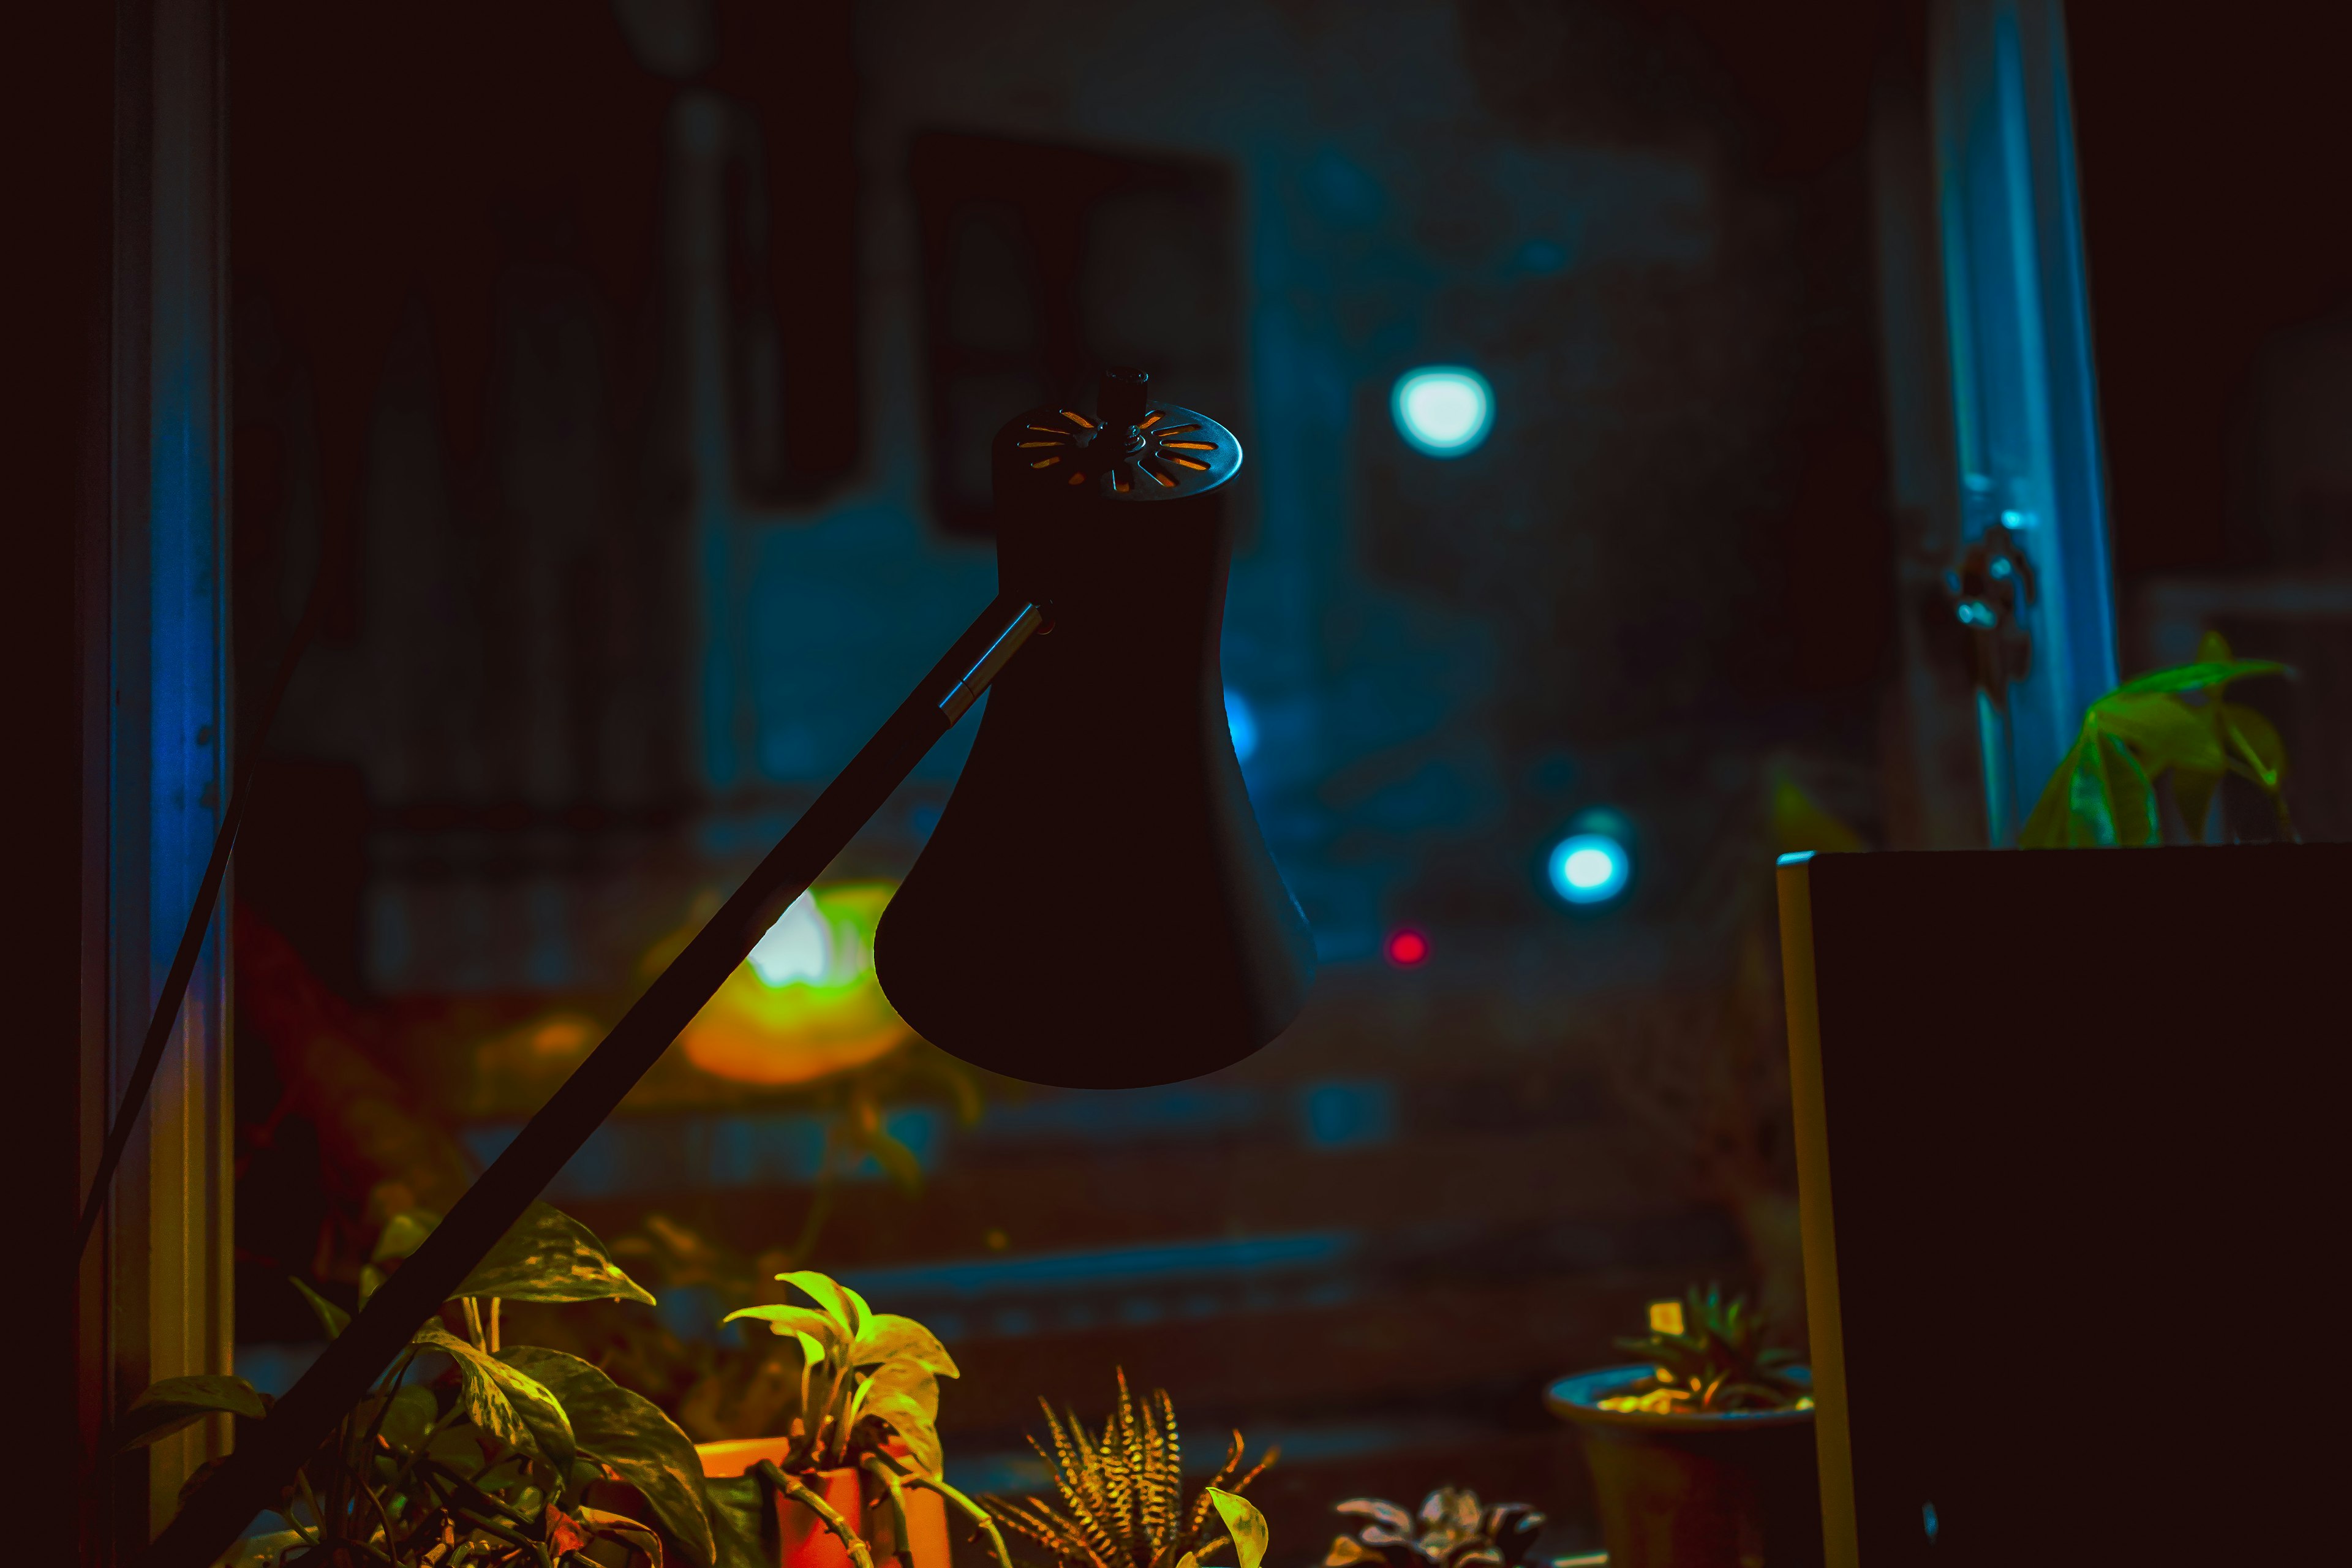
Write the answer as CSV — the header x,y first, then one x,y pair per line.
x,y
868,1396
2177,723
469,1453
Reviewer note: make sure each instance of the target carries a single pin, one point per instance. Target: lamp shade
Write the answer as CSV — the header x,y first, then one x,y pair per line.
x,y
1097,908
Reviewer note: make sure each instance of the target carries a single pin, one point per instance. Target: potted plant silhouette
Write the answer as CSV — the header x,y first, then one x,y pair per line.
x,y
1701,1450
855,1476
468,1452
2171,730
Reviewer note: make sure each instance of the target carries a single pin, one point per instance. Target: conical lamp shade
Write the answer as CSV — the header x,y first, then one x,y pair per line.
x,y
1096,909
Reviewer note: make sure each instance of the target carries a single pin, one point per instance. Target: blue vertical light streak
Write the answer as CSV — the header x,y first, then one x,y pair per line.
x,y
2024,405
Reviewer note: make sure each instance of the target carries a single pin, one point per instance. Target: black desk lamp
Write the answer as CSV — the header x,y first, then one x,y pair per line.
x,y
1096,908
1108,739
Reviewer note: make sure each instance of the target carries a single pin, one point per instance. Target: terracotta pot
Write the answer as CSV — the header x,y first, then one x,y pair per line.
x,y
860,1499
1735,1490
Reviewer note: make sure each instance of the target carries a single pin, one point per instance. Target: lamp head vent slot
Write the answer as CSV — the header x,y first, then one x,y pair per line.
x,y
1129,448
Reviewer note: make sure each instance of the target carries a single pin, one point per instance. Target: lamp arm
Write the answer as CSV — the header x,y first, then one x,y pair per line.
x,y
252,1478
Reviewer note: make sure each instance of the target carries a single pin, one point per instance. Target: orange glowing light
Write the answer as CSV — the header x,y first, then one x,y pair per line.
x,y
805,1004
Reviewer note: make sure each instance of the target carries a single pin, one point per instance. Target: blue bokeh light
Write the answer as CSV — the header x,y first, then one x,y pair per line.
x,y
1443,410
1589,868
1241,724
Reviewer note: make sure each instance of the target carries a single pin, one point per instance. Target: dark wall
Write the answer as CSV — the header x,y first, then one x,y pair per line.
x,y
2212,157
1666,574
2220,271
57,127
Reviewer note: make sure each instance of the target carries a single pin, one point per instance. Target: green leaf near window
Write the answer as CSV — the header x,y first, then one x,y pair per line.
x,y
526,1449
864,1376
2104,792
1245,1524
403,1234
550,1257
173,1402
2204,675
331,1318
844,1306
506,1403
2159,725
615,1426
889,1338
2254,741
408,1418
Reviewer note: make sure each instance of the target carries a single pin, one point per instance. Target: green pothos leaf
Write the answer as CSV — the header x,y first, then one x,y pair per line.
x,y
628,1432
827,1295
742,1522
2201,676
171,1404
891,1338
2131,798
408,1419
861,1316
2193,789
371,1280
897,1162
2162,728
597,1524
2046,828
1245,1524
2254,742
403,1234
504,1402
2090,820
548,1255
331,1318
807,1323
912,1379
910,1421
462,1447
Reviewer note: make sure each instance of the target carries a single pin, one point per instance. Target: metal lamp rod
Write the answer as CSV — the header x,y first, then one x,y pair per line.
x,y
256,1473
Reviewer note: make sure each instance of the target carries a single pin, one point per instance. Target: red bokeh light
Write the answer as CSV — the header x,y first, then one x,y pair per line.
x,y
1408,948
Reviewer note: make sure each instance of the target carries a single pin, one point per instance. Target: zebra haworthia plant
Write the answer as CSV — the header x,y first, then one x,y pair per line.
x,y
1121,1494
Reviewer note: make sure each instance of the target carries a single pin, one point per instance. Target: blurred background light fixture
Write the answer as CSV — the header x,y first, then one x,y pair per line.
x,y
1589,868
1443,410
805,1004
1407,948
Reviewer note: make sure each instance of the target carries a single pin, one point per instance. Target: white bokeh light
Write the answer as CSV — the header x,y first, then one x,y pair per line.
x,y
1443,410
1589,868
798,946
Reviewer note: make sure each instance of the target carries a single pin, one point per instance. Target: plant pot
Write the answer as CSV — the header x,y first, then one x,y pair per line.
x,y
1735,1490
864,1502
